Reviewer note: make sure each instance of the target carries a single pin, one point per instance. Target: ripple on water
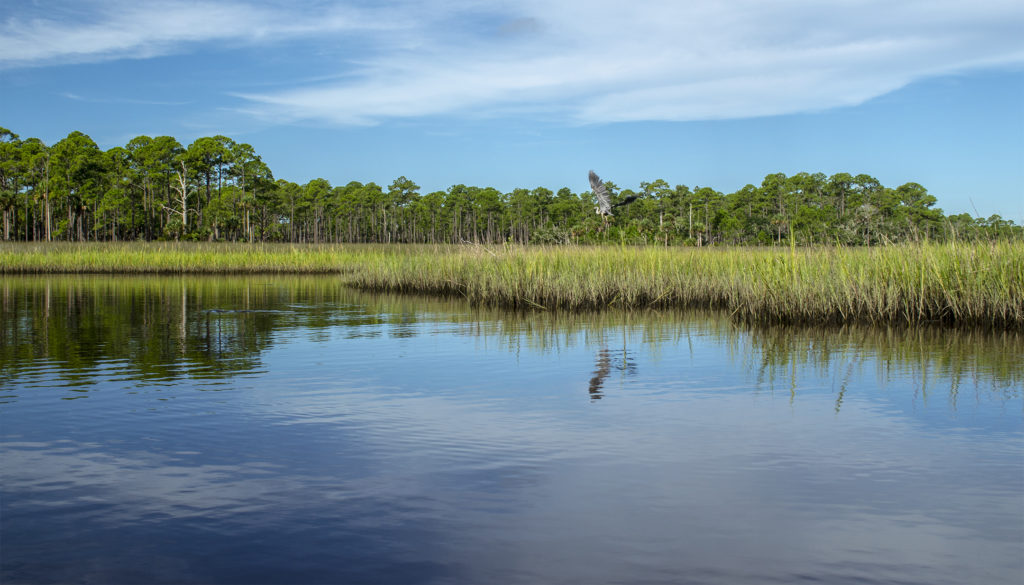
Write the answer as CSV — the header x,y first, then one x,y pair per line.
x,y
333,437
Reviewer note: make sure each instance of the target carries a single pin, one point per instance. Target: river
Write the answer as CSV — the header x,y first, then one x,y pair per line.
x,y
282,429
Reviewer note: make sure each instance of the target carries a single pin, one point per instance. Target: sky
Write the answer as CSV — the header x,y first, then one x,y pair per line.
x,y
534,93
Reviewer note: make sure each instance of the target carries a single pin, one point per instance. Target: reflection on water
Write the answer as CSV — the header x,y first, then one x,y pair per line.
x,y
607,360
164,329
286,429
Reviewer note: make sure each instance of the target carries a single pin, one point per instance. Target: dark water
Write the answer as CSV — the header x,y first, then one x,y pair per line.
x,y
287,430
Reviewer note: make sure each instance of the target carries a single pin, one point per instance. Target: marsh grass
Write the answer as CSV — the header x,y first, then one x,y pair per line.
x,y
963,284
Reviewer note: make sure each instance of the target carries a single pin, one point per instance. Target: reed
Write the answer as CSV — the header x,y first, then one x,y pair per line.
x,y
963,284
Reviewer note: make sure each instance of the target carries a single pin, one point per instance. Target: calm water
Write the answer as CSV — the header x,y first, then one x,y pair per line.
x,y
287,430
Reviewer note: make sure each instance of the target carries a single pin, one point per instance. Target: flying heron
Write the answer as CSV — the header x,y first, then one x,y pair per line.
x,y
604,204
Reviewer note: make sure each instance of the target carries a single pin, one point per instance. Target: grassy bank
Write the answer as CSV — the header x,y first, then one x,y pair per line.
x,y
976,284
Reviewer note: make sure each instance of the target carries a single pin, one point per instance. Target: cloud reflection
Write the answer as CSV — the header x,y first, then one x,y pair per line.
x,y
413,440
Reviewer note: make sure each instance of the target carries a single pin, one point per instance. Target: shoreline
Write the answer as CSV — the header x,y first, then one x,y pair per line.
x,y
955,284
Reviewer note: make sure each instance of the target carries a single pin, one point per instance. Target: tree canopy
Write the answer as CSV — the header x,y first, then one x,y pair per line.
x,y
219,189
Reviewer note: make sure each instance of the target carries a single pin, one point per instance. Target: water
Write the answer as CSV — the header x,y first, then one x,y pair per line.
x,y
288,430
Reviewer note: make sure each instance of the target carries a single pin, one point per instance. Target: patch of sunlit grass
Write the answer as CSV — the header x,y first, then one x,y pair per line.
x,y
977,284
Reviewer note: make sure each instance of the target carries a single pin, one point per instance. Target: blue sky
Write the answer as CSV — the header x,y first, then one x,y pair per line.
x,y
534,93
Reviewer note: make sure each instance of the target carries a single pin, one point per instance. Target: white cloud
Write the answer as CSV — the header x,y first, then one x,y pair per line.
x,y
650,60
116,29
588,60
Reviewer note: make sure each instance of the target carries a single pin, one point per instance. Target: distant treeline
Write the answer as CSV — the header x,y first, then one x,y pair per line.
x,y
219,189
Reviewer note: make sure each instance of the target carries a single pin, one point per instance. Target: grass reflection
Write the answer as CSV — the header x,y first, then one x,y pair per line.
x,y
157,328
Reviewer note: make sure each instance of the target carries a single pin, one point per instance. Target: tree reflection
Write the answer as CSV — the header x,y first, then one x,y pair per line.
x,y
167,328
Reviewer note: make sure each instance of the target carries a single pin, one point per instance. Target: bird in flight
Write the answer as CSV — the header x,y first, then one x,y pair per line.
x,y
604,203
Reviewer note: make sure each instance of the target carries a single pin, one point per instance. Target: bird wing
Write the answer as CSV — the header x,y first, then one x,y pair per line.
x,y
600,192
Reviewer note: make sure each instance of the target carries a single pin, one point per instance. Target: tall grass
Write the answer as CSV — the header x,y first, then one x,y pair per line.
x,y
969,284
167,258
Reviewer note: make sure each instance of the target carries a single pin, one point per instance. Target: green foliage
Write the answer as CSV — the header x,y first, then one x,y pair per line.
x,y
218,189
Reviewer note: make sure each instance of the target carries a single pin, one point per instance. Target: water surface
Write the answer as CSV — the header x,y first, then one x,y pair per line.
x,y
289,430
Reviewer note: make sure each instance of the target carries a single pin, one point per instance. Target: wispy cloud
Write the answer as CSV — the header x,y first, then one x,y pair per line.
x,y
91,30
582,60
593,61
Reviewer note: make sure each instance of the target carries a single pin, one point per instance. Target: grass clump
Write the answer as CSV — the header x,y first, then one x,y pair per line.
x,y
964,284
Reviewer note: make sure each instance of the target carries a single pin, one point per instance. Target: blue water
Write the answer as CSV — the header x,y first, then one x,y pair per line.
x,y
290,431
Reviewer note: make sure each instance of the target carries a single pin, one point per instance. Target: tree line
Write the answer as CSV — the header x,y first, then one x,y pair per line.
x,y
221,190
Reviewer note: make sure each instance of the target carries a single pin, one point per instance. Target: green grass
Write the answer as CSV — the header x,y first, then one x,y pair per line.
x,y
962,284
